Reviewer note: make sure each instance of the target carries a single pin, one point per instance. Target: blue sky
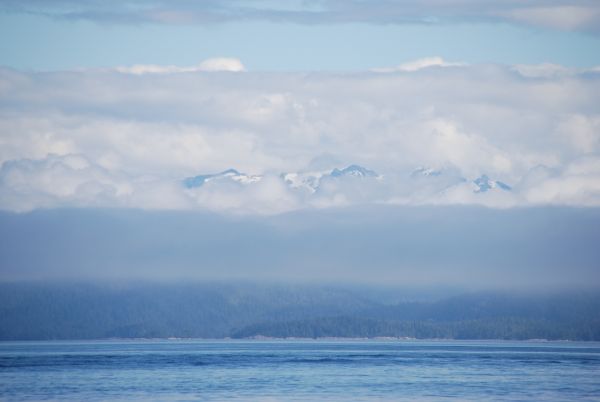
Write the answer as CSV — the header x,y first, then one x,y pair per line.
x,y
44,36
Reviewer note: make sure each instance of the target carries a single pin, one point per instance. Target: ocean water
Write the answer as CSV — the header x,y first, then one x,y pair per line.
x,y
257,370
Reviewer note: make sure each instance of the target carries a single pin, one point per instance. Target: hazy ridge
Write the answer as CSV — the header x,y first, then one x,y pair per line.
x,y
34,311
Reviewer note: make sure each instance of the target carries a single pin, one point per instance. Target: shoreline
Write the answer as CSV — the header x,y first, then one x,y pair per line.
x,y
259,339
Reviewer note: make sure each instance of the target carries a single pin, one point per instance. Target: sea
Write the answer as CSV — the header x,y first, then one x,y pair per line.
x,y
299,370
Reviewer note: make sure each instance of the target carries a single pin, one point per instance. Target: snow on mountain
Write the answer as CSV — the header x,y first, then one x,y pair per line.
x,y
298,180
306,180
353,170
426,172
427,181
229,174
311,181
483,184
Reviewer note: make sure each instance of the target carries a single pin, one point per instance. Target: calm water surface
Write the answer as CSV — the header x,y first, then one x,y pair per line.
x,y
184,370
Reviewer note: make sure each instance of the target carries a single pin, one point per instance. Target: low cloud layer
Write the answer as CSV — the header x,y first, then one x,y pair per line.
x,y
566,15
433,132
462,247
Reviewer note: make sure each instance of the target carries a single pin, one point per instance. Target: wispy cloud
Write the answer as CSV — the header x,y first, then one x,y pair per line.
x,y
104,138
418,65
570,15
209,65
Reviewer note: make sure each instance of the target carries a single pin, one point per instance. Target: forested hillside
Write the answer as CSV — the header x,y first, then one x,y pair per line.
x,y
31,311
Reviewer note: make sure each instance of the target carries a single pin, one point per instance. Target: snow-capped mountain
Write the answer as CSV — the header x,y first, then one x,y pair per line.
x,y
426,172
483,184
229,174
353,170
310,181
425,180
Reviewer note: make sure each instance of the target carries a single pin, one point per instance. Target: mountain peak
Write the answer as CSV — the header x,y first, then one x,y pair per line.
x,y
230,174
483,184
425,171
311,181
353,170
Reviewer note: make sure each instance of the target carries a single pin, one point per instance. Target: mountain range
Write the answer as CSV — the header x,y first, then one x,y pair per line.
x,y
312,180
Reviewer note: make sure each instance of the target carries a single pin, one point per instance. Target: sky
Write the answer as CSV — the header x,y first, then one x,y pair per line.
x,y
318,106
298,35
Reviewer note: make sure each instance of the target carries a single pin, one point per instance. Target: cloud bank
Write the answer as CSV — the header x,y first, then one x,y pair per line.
x,y
566,15
412,247
432,132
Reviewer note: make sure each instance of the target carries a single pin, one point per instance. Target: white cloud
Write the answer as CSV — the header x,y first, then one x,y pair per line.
x,y
58,181
73,181
464,194
564,16
209,65
551,70
473,153
580,132
544,70
418,64
95,138
222,64
268,196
